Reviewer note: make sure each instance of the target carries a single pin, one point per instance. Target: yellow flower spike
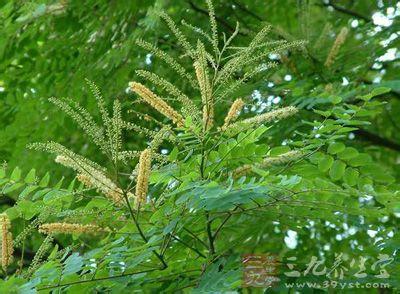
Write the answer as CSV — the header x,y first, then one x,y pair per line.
x,y
157,103
142,184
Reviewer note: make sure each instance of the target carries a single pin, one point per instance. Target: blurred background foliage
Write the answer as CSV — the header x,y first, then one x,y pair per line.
x,y
48,48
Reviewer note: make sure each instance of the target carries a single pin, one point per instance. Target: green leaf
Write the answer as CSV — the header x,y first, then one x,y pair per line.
x,y
15,175
337,170
348,153
351,176
12,187
13,212
27,191
336,99
377,173
380,91
45,180
316,157
28,208
188,121
346,130
171,226
54,252
335,148
325,163
279,150
216,281
59,184
323,113
72,264
30,177
174,154
71,185
375,92
360,160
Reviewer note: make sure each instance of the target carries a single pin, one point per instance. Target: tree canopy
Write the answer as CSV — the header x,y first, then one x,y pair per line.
x,y
161,146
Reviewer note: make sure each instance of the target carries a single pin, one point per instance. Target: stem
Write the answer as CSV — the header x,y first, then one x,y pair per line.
x,y
223,223
210,235
141,232
97,279
164,248
347,11
188,246
202,161
196,237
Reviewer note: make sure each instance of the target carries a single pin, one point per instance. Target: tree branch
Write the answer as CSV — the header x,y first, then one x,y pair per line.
x,y
377,140
249,12
224,222
347,11
188,246
196,237
97,279
210,235
141,232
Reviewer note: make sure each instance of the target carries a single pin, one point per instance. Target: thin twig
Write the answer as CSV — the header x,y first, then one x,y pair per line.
x,y
141,232
210,235
98,279
188,246
196,237
347,11
223,223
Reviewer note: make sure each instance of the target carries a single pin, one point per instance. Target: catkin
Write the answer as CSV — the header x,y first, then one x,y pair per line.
x,y
340,39
92,177
233,112
213,23
26,231
84,179
281,159
189,108
38,258
272,115
262,118
242,170
208,108
267,162
200,67
156,102
7,248
142,184
67,228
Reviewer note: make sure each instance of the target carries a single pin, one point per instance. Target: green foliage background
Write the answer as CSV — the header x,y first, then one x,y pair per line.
x,y
49,48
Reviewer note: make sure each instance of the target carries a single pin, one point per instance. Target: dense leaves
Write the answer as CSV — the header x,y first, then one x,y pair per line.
x,y
319,181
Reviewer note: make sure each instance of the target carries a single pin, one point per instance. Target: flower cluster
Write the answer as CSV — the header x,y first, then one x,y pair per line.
x,y
278,114
142,183
267,162
92,177
233,112
7,248
200,67
67,228
38,258
156,102
340,39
